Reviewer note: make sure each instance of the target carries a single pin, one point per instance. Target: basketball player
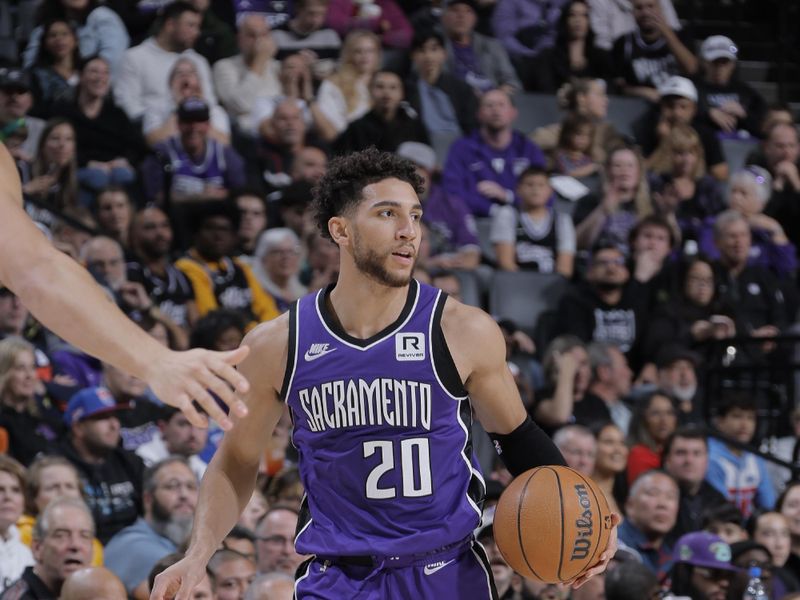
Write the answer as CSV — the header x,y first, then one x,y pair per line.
x,y
381,374
64,297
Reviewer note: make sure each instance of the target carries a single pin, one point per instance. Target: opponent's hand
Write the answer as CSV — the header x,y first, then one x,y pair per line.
x,y
177,378
605,557
179,580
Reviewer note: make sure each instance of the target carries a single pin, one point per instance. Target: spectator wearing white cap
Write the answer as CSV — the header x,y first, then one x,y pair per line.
x,y
678,105
729,105
450,227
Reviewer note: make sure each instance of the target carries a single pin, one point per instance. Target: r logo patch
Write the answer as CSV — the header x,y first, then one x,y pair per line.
x,y
409,346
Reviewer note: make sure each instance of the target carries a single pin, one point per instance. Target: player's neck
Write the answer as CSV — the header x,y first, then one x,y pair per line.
x,y
364,307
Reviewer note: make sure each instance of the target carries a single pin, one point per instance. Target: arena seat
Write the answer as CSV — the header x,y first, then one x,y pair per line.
x,y
736,152
536,110
484,227
624,111
523,296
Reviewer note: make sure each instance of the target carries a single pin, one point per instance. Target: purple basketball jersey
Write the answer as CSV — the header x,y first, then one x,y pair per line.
x,y
382,427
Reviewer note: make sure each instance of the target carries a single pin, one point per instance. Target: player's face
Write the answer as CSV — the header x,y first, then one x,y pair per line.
x,y
386,232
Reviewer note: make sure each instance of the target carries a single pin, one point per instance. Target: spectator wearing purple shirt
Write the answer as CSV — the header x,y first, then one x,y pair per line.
x,y
452,234
479,60
201,167
770,248
527,29
482,168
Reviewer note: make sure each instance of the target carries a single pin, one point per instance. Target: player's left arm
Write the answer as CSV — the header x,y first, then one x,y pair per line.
x,y
478,349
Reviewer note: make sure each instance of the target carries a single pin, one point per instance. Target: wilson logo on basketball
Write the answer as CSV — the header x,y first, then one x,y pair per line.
x,y
583,525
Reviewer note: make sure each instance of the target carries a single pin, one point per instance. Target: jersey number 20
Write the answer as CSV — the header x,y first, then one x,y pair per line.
x,y
415,463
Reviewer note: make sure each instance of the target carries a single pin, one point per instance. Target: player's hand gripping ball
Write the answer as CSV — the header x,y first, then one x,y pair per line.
x,y
552,523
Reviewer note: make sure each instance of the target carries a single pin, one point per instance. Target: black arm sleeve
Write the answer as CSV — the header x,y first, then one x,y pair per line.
x,y
527,447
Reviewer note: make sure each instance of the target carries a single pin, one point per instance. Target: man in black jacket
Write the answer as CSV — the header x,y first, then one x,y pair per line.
x,y
390,122
609,307
112,477
686,459
445,103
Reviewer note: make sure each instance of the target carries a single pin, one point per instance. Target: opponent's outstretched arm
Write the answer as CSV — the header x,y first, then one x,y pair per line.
x,y
65,298
230,478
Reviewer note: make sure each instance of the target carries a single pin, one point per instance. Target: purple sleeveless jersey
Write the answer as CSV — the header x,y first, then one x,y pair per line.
x,y
383,430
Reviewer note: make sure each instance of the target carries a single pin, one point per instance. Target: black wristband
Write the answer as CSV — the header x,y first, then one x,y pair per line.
x,y
526,447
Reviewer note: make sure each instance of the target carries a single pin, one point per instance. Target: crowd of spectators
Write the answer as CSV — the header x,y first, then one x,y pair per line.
x,y
172,149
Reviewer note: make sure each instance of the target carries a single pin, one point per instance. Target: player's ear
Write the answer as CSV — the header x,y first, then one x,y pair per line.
x,y
337,227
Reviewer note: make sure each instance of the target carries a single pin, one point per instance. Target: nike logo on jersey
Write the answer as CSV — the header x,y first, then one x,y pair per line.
x,y
317,351
438,566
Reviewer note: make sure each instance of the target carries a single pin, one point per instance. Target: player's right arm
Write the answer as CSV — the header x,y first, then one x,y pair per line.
x,y
231,476
65,298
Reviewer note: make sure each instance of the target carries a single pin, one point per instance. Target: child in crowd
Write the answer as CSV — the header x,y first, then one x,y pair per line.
x,y
536,238
739,475
572,156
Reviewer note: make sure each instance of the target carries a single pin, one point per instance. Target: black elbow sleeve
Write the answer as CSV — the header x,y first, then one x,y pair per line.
x,y
526,447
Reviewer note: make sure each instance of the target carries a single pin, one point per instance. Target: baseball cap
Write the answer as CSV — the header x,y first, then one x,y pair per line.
x,y
13,78
718,46
704,549
193,110
90,402
420,154
678,86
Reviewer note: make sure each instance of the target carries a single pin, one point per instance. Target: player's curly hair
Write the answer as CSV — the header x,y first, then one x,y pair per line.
x,y
342,185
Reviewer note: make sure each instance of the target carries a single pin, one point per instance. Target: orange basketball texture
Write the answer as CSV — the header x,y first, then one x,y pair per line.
x,y
552,523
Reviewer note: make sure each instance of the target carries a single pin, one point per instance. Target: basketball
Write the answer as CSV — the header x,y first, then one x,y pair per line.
x,y
551,524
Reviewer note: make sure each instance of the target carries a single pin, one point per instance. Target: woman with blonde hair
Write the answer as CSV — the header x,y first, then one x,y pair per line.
x,y
624,199
588,98
21,412
344,96
683,191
